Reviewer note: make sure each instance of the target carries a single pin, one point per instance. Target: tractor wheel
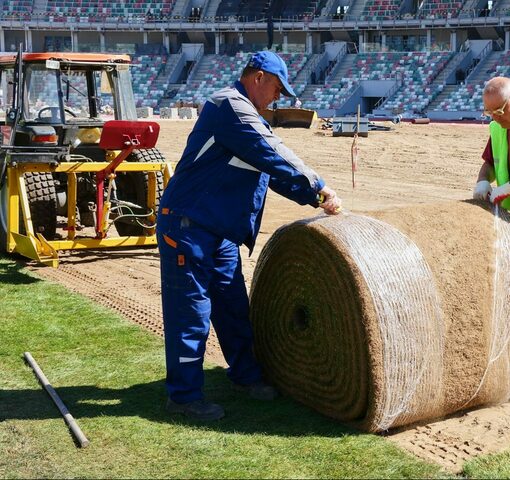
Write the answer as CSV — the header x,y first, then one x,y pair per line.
x,y
42,200
132,187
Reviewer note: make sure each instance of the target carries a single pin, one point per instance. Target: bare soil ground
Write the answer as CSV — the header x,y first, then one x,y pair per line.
x,y
409,165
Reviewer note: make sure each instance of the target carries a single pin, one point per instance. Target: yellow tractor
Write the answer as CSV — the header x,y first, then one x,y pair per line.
x,y
77,169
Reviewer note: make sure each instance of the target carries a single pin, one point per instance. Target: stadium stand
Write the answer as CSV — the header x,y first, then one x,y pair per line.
x,y
468,97
440,9
380,9
219,71
144,72
330,96
417,90
465,98
415,71
150,74
410,56
20,6
96,10
298,9
228,9
253,10
213,73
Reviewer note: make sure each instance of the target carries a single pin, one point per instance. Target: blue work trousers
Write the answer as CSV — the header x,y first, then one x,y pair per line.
x,y
202,281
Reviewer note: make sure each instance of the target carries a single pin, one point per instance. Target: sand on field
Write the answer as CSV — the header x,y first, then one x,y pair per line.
x,y
408,165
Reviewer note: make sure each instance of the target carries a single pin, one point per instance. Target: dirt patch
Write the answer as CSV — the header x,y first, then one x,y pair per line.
x,y
453,441
410,165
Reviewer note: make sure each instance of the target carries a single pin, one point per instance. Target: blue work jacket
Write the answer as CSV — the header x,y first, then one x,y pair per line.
x,y
231,158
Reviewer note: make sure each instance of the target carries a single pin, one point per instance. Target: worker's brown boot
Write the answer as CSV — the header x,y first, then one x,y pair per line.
x,y
259,390
197,410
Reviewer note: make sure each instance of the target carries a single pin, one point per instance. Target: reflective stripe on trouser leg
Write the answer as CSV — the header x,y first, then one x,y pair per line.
x,y
230,315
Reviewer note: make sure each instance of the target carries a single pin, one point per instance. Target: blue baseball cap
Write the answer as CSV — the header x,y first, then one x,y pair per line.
x,y
271,63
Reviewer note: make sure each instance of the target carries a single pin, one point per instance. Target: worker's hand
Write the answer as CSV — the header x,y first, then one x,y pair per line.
x,y
482,190
331,204
500,193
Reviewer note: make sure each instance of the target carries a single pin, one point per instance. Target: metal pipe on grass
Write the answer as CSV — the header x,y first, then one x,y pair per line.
x,y
69,419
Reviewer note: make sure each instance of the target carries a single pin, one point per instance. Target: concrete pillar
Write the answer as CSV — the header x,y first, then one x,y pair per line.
x,y
383,41
2,41
145,38
429,39
361,42
241,41
3,87
166,41
74,38
217,43
285,42
102,41
453,41
28,40
309,42
316,44
507,40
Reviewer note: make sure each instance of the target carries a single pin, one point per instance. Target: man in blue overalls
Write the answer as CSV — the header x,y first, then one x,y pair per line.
x,y
212,204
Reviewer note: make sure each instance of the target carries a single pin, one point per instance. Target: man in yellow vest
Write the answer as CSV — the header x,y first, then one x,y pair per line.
x,y
496,101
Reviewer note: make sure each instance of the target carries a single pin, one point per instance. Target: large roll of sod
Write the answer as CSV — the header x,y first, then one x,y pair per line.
x,y
389,318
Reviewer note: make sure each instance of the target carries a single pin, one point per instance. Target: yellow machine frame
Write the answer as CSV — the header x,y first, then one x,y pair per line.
x,y
35,246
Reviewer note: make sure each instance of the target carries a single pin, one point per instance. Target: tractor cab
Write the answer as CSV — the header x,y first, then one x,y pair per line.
x,y
64,95
64,116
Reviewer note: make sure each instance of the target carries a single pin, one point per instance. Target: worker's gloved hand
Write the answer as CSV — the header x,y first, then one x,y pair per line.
x,y
500,193
482,190
329,201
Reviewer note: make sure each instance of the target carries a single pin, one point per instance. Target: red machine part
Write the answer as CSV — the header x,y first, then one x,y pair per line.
x,y
126,136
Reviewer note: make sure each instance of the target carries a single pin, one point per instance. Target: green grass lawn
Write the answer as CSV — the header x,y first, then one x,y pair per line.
x,y
110,375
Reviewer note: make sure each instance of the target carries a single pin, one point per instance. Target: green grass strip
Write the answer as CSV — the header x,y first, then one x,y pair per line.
x,y
489,466
110,374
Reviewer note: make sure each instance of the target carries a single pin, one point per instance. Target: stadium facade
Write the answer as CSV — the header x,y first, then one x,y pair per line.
x,y
408,57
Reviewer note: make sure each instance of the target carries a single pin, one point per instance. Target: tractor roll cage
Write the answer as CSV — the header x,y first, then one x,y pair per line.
x,y
68,57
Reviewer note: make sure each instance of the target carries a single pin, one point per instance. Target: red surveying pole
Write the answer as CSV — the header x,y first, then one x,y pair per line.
x,y
355,151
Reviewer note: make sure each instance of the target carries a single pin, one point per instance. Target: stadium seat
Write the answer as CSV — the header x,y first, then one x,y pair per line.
x,y
468,97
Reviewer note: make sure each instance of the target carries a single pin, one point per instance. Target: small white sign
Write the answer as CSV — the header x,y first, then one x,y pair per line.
x,y
53,64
